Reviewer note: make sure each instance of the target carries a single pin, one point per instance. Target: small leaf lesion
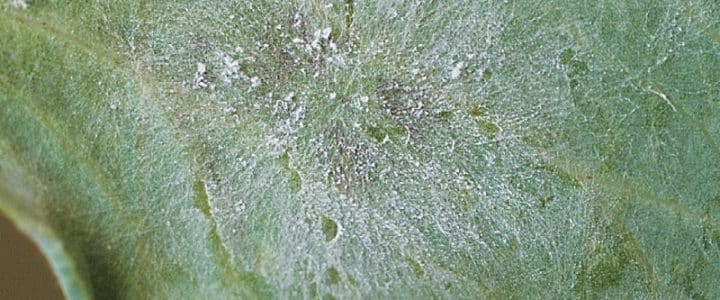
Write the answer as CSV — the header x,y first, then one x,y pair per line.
x,y
329,229
415,266
294,180
485,126
332,276
575,67
350,160
201,198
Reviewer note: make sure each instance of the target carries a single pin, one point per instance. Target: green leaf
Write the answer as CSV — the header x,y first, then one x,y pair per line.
x,y
365,149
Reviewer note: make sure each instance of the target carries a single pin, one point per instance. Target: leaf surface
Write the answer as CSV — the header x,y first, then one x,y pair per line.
x,y
352,149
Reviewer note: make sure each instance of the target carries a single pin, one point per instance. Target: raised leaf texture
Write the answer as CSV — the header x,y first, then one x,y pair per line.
x,y
365,149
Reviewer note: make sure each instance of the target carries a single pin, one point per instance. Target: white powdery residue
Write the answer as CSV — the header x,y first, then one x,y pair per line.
x,y
201,80
324,34
457,70
239,207
229,110
275,144
115,104
255,82
361,103
21,4
319,36
298,21
392,14
297,115
232,68
336,60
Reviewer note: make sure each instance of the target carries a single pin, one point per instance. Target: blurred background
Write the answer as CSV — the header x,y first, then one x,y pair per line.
x,y
24,272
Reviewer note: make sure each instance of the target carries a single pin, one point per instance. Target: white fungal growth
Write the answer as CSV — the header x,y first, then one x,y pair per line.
x,y
290,96
392,14
21,4
201,80
255,82
457,70
378,125
324,34
320,36
231,70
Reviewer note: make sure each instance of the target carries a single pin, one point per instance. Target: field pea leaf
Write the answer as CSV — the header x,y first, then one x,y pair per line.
x,y
365,149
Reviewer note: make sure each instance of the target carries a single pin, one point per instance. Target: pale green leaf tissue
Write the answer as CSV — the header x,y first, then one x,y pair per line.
x,y
346,149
